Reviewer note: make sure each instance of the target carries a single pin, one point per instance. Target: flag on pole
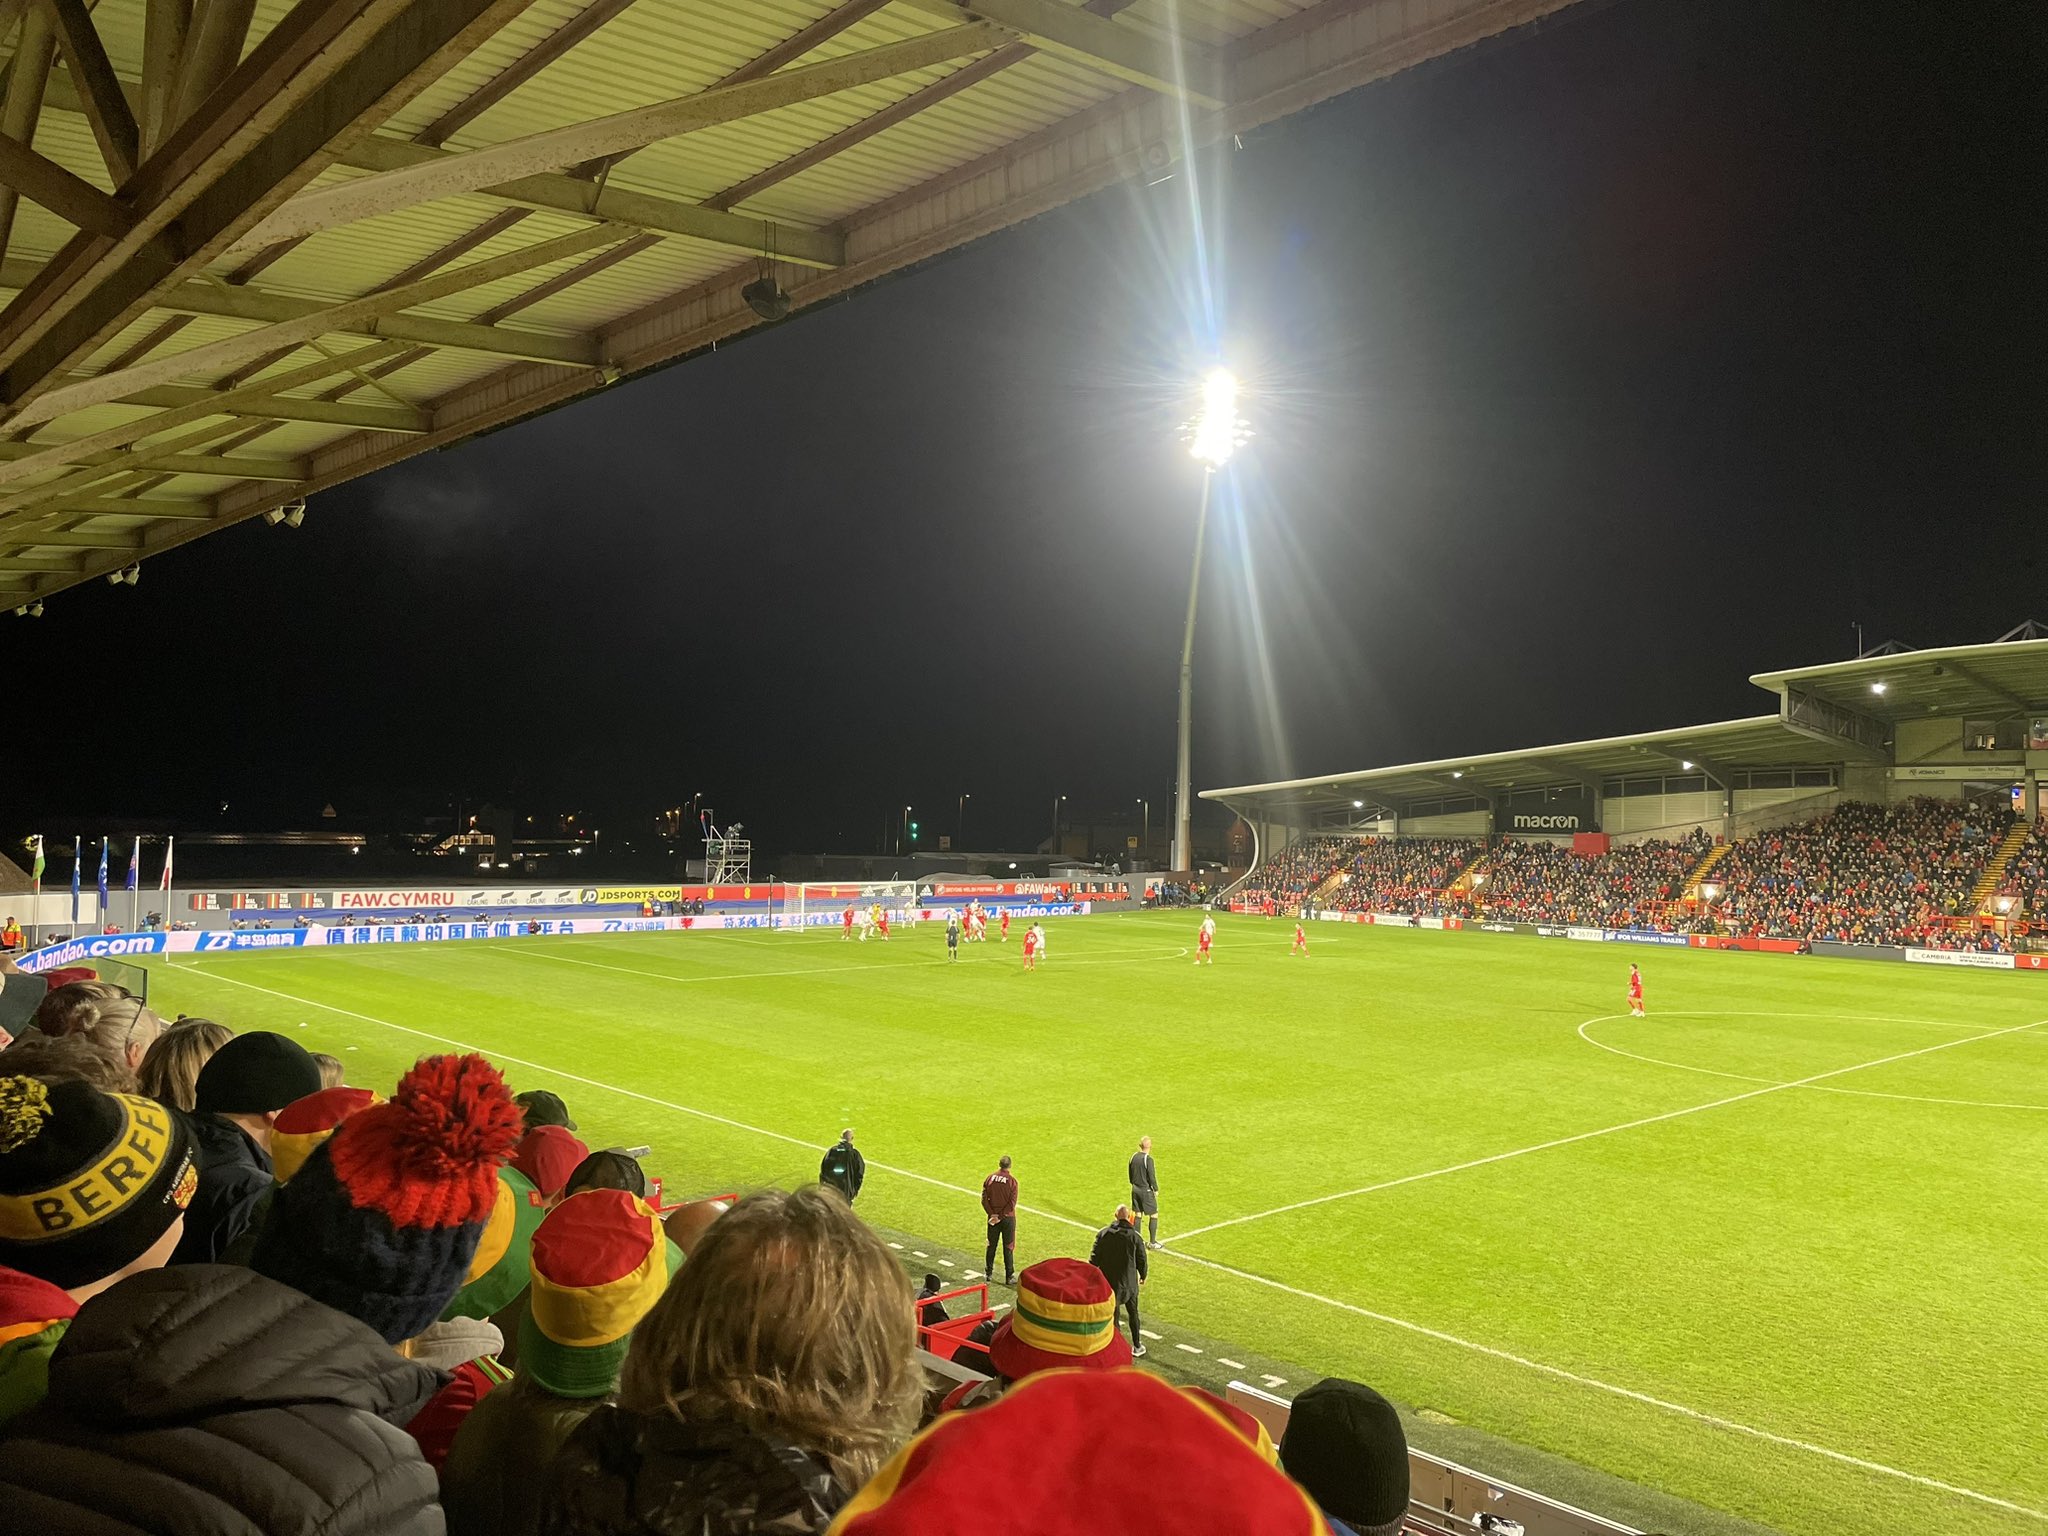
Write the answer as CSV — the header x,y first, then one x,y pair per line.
x,y
135,863
165,883
35,871
103,879
76,859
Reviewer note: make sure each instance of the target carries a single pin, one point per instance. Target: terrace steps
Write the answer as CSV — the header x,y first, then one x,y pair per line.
x,y
1994,868
1690,886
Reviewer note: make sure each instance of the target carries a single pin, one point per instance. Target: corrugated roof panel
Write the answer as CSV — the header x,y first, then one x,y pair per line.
x,y
633,284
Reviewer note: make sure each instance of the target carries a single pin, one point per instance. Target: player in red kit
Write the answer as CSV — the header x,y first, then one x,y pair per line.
x,y
882,921
1030,949
1203,939
1300,940
846,924
1635,993
1004,914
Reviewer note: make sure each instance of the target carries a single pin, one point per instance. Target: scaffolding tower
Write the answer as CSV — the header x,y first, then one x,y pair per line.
x,y
728,857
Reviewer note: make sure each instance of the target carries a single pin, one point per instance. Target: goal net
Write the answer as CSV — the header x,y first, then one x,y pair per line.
x,y
820,905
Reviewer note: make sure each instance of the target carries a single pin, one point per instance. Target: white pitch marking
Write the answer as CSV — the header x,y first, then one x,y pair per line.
x,y
624,1093
1189,1348
1148,1333
897,1246
1235,1365
1560,1374
1556,1372
919,1253
1745,1077
1609,1130
944,1263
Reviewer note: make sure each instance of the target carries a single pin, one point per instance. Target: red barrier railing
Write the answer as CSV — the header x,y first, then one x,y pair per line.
x,y
948,1338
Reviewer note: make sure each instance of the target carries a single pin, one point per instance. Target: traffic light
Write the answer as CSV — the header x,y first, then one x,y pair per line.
x,y
913,831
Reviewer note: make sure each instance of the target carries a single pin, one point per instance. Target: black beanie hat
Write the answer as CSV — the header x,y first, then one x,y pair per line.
x,y
541,1107
1344,1444
254,1074
89,1181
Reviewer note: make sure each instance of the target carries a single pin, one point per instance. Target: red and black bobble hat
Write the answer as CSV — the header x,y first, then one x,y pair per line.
x,y
384,1217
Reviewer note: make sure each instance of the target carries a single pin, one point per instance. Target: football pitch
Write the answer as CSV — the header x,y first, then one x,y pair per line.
x,y
1780,1249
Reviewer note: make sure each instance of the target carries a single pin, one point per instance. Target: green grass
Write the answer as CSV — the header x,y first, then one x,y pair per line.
x,y
1861,1274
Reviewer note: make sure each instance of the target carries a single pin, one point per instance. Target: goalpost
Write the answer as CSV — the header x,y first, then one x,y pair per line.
x,y
818,904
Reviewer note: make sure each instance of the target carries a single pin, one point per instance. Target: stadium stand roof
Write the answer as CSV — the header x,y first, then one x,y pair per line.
x,y
1829,714
257,248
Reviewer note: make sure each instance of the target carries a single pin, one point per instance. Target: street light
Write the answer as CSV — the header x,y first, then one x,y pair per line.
x,y
1145,842
1213,436
1057,802
960,831
903,833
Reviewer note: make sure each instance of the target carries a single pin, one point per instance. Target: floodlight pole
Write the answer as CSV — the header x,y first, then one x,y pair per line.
x,y
1183,808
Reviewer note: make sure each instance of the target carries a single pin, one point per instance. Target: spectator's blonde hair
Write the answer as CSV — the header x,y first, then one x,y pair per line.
x,y
332,1073
111,1017
794,1319
75,1056
170,1071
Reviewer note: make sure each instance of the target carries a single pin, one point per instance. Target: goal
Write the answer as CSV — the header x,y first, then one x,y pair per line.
x,y
819,905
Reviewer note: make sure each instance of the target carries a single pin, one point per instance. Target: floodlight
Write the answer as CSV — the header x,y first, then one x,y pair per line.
x,y
1358,805
1457,773
1877,688
292,514
128,575
1217,430
1685,767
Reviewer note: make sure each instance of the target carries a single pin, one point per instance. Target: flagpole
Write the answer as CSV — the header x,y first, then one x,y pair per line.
x,y
35,911
170,845
77,854
135,885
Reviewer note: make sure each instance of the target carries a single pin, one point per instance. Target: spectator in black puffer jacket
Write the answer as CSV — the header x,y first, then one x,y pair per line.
x,y
206,1400
770,1381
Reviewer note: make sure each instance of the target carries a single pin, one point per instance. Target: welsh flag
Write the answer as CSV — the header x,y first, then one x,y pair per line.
x,y
35,869
165,883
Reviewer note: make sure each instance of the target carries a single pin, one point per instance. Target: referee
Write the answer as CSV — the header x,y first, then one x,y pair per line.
x,y
1145,1189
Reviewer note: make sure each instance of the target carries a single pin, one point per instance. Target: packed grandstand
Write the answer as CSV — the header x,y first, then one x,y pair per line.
x,y
1911,875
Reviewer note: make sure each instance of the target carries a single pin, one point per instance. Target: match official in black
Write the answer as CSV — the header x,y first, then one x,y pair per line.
x,y
999,1200
1120,1254
843,1168
1145,1188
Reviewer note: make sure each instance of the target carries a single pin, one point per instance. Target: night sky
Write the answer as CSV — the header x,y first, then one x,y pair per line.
x,y
1593,371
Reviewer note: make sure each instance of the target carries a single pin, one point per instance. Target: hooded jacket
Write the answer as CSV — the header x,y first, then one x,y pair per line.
x,y
209,1401
639,1474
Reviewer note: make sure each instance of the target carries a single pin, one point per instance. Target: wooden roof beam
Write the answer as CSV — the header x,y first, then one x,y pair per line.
x,y
375,315
113,122
323,74
1197,76
446,174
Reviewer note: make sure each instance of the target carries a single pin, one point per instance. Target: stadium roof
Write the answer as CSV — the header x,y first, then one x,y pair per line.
x,y
255,248
1715,750
1828,714
1999,680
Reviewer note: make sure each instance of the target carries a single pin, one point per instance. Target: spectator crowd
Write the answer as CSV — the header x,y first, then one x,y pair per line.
x,y
1864,874
240,1295
1861,874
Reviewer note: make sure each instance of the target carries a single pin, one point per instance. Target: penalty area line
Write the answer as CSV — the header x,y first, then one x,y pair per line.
x,y
1593,1135
1420,1329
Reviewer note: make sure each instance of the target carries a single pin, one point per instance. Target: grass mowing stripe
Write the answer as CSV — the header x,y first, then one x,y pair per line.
x,y
1746,1077
1626,1125
1575,1378
1557,1373
591,1082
